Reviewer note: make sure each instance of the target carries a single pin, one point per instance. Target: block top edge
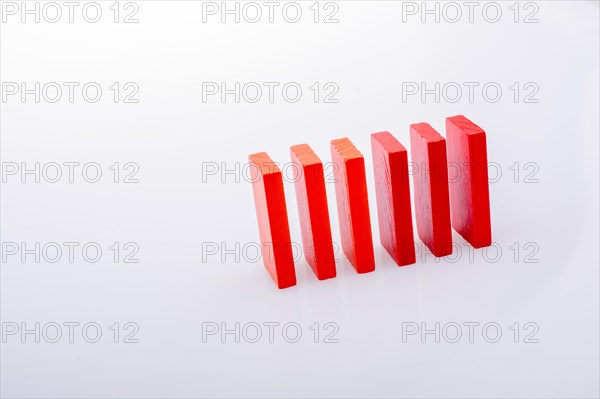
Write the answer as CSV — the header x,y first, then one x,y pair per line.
x,y
387,140
427,132
465,125
345,148
265,164
305,155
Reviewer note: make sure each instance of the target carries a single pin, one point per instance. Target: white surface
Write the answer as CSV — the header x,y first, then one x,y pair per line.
x,y
170,212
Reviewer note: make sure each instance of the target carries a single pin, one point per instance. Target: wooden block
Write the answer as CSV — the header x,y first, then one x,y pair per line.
x,y
313,211
469,191
271,212
430,181
353,205
390,165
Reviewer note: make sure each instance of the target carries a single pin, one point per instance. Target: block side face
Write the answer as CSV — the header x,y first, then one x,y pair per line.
x,y
422,189
401,205
482,230
262,216
383,196
269,201
440,199
343,205
460,181
322,242
301,189
281,248
360,217
264,227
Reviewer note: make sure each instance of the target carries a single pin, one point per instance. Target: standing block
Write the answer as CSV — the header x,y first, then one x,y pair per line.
x,y
390,164
353,205
469,191
271,212
312,208
432,201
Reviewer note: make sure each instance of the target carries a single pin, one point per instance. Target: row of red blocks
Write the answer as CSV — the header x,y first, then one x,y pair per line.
x,y
439,205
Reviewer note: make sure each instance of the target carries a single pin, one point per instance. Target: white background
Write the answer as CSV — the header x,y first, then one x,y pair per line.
x,y
171,214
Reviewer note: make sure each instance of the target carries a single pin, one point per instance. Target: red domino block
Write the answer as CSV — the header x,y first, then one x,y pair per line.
x,y
312,208
469,190
271,212
390,164
430,180
353,205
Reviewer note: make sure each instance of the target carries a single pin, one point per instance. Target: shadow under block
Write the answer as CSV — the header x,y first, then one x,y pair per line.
x,y
430,181
271,212
392,189
313,211
353,205
469,189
